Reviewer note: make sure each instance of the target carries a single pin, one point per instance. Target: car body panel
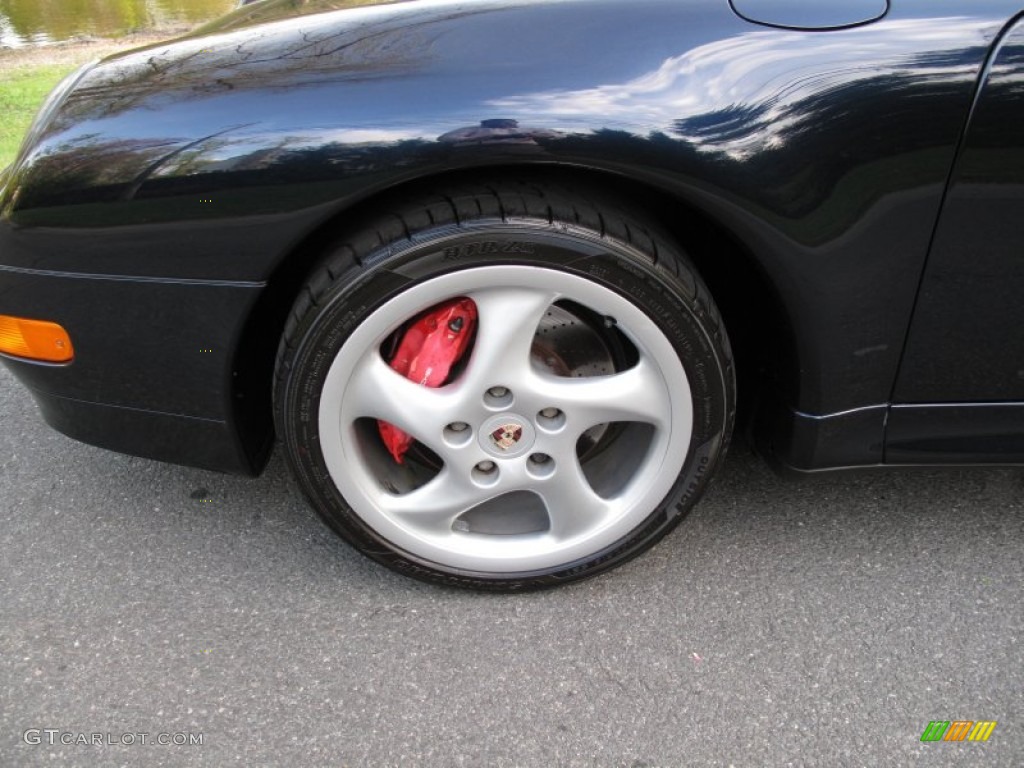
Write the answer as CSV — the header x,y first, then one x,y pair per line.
x,y
153,368
966,343
960,392
955,433
209,162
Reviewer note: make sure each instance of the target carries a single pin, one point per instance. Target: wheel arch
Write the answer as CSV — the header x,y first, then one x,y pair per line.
x,y
757,322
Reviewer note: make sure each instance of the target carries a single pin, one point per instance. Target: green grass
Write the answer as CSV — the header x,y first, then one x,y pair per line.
x,y
21,94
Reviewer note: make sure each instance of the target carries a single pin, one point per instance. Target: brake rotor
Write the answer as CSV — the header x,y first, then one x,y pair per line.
x,y
569,345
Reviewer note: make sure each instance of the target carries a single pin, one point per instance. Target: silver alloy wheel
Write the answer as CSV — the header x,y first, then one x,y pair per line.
x,y
583,515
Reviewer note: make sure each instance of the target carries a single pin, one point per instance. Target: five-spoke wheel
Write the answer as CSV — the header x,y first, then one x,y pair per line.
x,y
587,411
508,427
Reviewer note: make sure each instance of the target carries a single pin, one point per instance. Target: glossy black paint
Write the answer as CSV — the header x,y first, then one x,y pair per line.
x,y
217,165
966,343
976,433
152,370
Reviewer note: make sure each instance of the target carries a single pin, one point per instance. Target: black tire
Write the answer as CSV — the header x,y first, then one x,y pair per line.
x,y
566,235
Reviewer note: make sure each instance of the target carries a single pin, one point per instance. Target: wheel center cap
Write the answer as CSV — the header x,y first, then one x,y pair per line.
x,y
506,435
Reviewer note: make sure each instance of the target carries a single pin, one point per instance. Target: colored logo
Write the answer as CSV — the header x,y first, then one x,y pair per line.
x,y
958,730
507,435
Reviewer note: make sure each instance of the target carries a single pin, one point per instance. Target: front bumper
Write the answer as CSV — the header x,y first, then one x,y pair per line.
x,y
153,373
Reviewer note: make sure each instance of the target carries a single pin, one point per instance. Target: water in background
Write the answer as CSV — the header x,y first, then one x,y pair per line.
x,y
35,22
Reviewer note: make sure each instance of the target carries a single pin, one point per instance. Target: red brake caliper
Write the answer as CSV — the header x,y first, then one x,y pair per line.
x,y
426,354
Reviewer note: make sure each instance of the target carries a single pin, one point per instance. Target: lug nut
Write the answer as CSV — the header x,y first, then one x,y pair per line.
x,y
458,426
551,419
485,466
540,465
497,391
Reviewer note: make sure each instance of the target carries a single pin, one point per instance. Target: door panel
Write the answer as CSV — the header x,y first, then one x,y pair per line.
x,y
966,341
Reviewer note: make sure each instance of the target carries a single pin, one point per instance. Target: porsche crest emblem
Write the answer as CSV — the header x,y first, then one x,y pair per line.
x,y
507,435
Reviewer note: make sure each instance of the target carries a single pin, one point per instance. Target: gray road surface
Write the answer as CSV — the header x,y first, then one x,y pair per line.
x,y
821,623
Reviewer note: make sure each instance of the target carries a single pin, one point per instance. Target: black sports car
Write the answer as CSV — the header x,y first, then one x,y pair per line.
x,y
500,274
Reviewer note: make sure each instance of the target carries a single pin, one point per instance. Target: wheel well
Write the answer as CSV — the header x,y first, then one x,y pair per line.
x,y
753,315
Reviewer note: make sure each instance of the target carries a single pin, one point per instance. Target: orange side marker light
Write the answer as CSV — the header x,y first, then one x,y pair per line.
x,y
35,340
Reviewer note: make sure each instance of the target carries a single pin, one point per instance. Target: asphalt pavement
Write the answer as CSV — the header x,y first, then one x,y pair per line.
x,y
818,622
